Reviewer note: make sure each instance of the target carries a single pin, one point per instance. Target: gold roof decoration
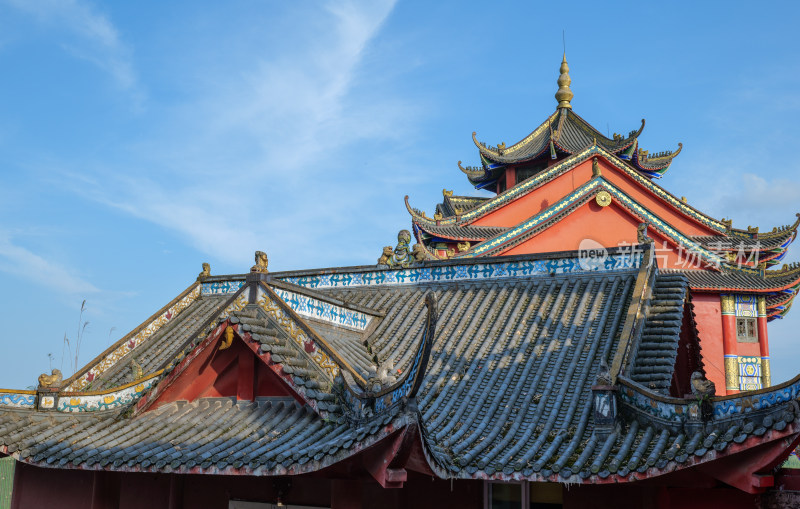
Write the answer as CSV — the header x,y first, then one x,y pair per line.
x,y
564,94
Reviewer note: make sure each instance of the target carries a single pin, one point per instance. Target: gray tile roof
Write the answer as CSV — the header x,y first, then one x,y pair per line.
x,y
463,232
571,134
463,203
654,363
728,242
164,344
211,434
743,280
507,391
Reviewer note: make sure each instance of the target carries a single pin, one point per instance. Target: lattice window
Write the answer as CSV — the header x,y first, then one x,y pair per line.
x,y
746,330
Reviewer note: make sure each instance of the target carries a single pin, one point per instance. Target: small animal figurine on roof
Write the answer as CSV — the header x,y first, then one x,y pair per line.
x,y
51,380
206,271
261,263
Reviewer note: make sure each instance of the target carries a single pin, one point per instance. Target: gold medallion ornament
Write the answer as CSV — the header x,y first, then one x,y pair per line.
x,y
603,199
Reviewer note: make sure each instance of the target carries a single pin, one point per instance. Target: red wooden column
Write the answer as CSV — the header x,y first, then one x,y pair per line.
x,y
729,344
511,177
763,343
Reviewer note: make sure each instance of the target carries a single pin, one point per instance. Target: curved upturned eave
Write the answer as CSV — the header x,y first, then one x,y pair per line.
x,y
609,144
417,216
496,156
440,235
415,228
565,165
774,281
657,165
472,175
552,131
777,232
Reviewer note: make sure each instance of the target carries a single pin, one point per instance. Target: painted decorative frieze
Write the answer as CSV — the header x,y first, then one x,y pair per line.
x,y
319,310
105,401
478,271
676,412
747,403
749,373
746,306
237,305
17,399
298,335
221,287
135,341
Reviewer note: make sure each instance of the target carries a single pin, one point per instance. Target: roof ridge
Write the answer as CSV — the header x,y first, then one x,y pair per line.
x,y
564,166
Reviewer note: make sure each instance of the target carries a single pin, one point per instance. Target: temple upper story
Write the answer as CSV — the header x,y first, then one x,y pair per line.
x,y
564,133
566,186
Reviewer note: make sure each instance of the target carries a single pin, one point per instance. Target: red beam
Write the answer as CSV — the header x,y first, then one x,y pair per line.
x,y
378,458
744,470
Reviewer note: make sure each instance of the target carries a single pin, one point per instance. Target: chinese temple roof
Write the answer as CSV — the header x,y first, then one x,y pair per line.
x,y
562,134
456,205
171,328
779,286
563,166
733,256
498,364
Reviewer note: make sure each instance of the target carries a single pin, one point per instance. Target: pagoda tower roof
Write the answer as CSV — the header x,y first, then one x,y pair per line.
x,y
485,206
454,205
565,133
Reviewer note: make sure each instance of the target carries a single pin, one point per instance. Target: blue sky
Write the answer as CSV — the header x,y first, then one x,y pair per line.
x,y
140,139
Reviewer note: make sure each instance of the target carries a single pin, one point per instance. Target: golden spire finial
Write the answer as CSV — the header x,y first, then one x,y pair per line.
x,y
564,94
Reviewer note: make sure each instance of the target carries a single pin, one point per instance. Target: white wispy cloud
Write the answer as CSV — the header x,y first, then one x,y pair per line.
x,y
94,37
757,194
21,262
269,134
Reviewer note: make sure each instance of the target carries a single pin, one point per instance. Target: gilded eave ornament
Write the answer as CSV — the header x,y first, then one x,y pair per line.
x,y
136,369
228,339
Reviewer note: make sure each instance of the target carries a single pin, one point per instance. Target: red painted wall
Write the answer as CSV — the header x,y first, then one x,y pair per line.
x,y
708,311
80,489
751,349
217,373
610,226
39,487
543,197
